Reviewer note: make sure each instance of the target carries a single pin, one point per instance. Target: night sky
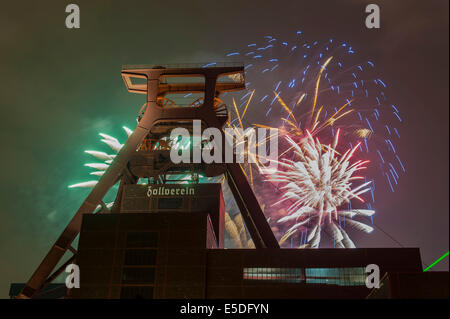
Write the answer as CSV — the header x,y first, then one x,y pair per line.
x,y
59,88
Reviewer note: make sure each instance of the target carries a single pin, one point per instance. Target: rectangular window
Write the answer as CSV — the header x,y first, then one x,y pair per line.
x,y
138,275
170,203
140,257
354,276
131,292
142,240
274,274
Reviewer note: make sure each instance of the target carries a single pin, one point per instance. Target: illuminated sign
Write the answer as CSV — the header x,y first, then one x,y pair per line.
x,y
154,190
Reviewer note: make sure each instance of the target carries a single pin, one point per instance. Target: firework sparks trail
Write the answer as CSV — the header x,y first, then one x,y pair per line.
x,y
284,77
322,88
317,184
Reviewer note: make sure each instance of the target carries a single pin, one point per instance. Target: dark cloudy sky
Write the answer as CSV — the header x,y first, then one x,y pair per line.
x,y
60,87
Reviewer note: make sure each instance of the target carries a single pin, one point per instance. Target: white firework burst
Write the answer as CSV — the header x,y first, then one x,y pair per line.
x,y
317,185
106,159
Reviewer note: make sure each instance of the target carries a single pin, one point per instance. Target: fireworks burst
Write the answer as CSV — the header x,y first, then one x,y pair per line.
x,y
318,184
321,88
105,158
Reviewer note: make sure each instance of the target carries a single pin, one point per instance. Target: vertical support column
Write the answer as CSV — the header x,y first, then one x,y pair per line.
x,y
210,94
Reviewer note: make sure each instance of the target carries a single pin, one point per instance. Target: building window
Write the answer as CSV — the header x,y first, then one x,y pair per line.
x,y
142,240
140,251
140,257
138,275
354,276
136,292
170,203
274,274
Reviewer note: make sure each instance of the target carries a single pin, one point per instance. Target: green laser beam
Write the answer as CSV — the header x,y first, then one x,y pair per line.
x,y
440,258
